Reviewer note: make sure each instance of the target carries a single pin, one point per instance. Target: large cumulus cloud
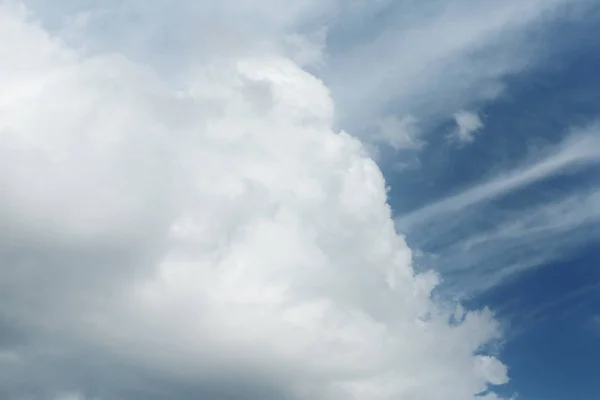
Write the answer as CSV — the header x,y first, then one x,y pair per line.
x,y
218,239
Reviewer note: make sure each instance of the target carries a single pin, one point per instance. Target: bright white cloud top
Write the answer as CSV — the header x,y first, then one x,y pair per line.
x,y
212,236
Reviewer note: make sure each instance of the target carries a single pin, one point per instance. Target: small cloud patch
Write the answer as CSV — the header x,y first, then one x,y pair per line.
x,y
468,124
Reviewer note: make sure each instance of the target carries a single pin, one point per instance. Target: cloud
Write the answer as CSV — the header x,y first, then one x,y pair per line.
x,y
213,238
468,124
595,323
307,50
580,149
440,56
524,239
471,237
550,219
400,134
555,305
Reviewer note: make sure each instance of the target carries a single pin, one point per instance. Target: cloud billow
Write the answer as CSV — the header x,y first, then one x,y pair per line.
x,y
219,240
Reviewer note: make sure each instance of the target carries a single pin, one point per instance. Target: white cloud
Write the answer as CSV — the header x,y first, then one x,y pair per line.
x,y
401,134
306,50
550,219
222,236
428,59
486,245
521,240
580,149
440,55
468,124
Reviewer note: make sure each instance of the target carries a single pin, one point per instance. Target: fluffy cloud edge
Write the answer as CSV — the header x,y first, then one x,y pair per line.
x,y
227,225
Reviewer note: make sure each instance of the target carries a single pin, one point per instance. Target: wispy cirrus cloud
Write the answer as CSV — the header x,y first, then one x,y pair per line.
x,y
426,60
580,149
512,240
595,323
400,134
525,239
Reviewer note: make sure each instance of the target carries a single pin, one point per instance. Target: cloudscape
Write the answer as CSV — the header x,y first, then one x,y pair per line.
x,y
217,200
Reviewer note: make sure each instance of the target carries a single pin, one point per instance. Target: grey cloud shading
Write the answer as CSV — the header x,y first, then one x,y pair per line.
x,y
211,236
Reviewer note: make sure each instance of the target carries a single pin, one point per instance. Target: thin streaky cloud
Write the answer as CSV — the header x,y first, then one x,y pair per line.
x,y
542,309
563,216
579,150
518,243
440,57
595,323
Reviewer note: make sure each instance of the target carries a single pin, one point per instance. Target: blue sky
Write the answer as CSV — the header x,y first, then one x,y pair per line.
x,y
329,200
550,311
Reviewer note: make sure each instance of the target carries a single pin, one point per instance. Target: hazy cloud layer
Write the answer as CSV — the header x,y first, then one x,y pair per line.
x,y
424,60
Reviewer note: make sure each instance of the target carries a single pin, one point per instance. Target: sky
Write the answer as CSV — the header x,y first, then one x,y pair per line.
x,y
324,200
